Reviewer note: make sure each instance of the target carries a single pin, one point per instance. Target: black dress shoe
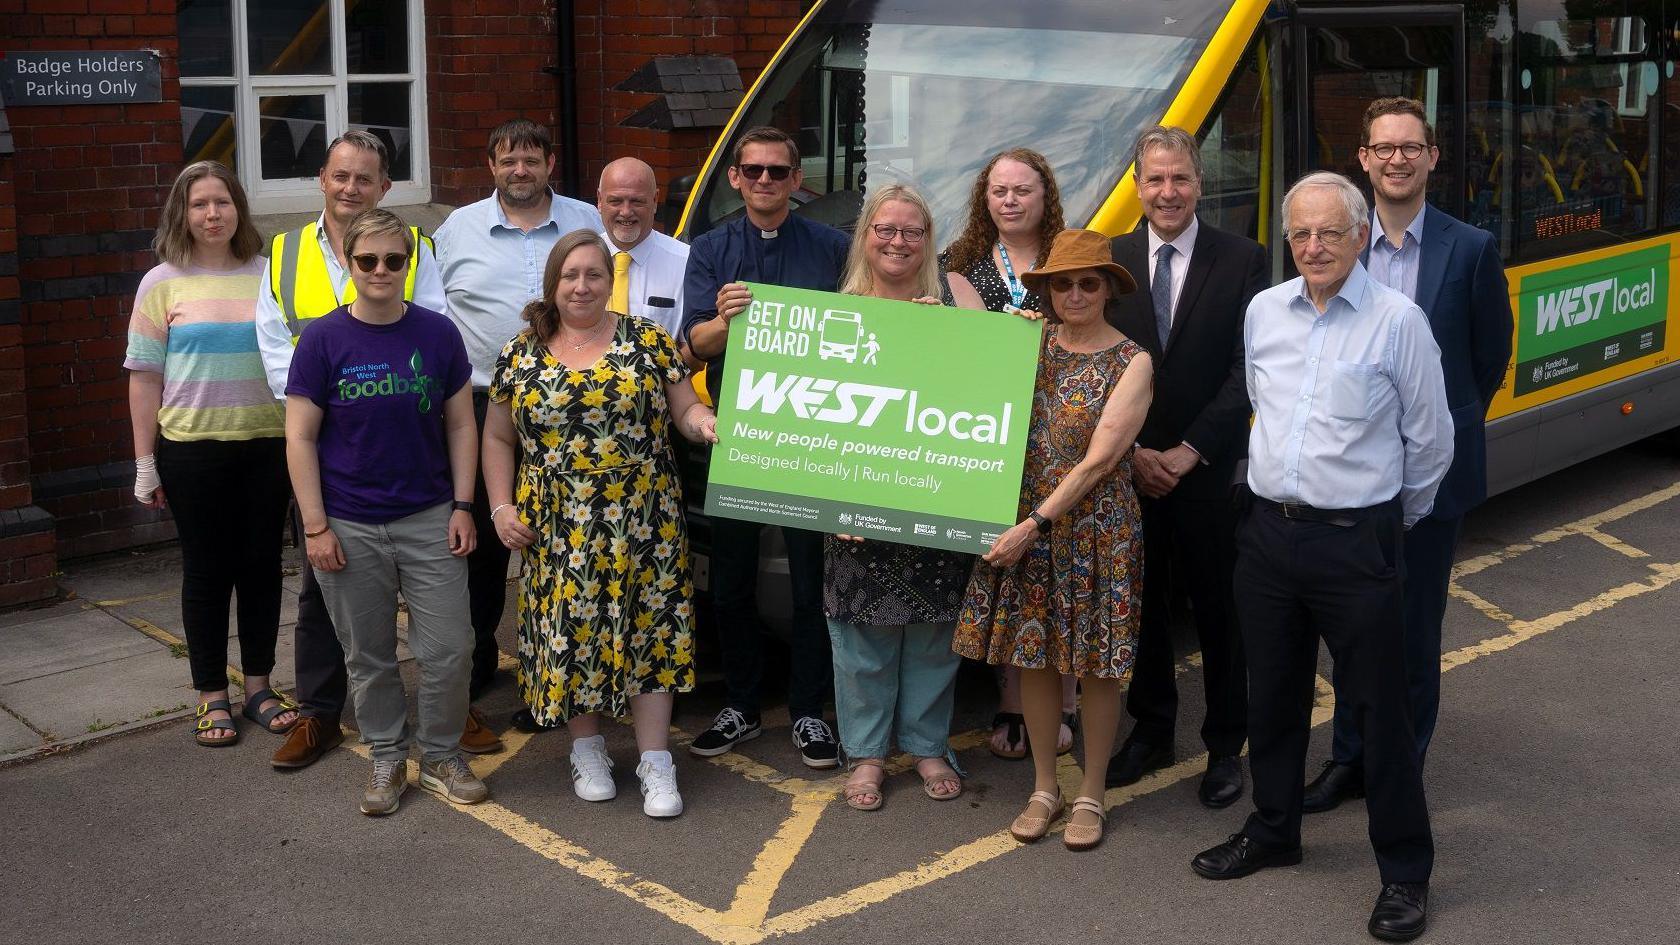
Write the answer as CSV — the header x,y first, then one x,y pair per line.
x,y
1401,912
525,722
1240,856
1335,784
1134,760
1223,783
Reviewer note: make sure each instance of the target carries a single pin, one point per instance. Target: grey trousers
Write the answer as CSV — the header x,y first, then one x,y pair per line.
x,y
410,555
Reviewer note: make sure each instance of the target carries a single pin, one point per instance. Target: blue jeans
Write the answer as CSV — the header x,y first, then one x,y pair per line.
x,y
894,682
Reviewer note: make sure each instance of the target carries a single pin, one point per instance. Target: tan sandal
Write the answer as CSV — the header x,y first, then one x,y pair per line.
x,y
1029,827
857,790
947,773
1082,836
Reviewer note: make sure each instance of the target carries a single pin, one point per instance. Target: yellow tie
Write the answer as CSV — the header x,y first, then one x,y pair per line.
x,y
620,302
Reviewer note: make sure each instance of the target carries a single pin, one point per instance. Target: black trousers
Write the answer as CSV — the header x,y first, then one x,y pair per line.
x,y
1429,559
229,502
486,574
734,569
1194,541
318,657
1297,582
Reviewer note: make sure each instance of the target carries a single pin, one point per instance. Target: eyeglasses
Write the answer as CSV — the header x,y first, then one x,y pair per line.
x,y
394,262
1411,149
1087,284
1325,237
755,171
911,234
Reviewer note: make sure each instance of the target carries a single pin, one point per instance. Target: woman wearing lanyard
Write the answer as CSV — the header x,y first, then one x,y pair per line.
x,y
1014,212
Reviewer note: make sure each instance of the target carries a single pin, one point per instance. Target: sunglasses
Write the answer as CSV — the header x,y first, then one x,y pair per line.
x,y
1087,284
755,171
394,262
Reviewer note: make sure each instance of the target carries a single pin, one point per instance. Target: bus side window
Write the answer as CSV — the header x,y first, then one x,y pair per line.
x,y
1234,191
1489,125
1588,107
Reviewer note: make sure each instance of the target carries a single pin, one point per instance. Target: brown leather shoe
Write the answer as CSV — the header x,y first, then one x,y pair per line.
x,y
477,738
311,738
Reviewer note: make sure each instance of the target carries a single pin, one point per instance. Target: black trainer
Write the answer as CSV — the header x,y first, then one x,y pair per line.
x,y
816,744
729,729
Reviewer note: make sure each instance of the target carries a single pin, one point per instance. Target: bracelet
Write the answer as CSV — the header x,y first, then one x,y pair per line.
x,y
323,531
498,508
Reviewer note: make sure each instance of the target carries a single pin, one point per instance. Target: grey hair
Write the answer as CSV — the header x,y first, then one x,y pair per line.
x,y
1353,202
1173,139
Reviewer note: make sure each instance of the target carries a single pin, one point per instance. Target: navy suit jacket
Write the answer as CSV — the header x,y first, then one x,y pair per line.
x,y
1461,288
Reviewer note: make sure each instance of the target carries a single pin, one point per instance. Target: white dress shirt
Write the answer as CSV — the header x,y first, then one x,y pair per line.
x,y
1180,262
657,265
491,268
274,337
1350,408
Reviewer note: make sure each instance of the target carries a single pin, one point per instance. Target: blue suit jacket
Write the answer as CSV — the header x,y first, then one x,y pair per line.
x,y
1461,287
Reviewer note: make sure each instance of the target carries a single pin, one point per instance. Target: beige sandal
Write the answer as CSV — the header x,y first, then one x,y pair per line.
x,y
1029,827
947,773
856,790
1082,836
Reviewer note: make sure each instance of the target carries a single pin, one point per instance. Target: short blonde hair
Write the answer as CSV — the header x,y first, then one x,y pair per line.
x,y
376,222
858,278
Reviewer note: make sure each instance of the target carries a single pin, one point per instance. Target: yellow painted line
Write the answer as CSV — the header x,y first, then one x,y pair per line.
x,y
120,602
1482,605
1585,526
758,888
169,639
1613,543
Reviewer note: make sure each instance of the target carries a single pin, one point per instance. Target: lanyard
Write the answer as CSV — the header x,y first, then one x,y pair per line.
x,y
1017,291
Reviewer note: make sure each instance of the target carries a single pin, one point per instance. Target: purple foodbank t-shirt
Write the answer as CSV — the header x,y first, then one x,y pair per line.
x,y
381,389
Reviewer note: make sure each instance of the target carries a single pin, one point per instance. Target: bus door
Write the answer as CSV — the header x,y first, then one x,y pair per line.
x,y
1345,58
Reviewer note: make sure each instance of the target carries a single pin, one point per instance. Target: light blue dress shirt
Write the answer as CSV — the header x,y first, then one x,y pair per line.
x,y
1397,266
1350,408
491,268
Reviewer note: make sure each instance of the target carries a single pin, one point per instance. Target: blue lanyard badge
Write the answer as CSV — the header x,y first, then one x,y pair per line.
x,y
1017,291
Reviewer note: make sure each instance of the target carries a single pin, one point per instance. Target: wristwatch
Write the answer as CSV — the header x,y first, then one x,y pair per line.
x,y
1039,522
461,506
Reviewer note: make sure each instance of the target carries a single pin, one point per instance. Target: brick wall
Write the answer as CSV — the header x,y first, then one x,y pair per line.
x,y
89,182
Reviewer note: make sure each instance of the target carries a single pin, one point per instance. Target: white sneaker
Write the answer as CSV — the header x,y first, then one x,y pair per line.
x,y
592,777
659,785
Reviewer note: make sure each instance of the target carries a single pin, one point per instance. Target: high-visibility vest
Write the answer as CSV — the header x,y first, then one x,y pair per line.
x,y
297,274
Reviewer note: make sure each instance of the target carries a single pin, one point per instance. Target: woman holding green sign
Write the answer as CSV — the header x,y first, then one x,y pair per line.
x,y
1059,593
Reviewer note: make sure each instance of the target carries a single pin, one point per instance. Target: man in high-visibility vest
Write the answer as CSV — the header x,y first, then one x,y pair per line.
x,y
307,277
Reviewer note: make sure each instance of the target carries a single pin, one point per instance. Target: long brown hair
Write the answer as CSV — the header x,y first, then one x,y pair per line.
x,y
174,242
977,237
542,314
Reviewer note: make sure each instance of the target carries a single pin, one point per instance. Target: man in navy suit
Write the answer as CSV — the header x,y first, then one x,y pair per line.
x,y
1453,272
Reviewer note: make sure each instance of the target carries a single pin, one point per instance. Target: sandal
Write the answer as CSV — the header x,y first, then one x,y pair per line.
x,y
1083,836
206,725
1015,726
944,775
1070,721
859,788
266,717
1029,827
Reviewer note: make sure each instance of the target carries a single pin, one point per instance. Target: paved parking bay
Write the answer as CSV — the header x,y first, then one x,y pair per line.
x,y
1550,784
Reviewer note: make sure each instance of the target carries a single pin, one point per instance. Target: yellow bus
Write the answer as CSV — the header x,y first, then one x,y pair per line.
x,y
1558,122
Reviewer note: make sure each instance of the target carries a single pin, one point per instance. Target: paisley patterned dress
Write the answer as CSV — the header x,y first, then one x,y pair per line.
x,y
605,603
1073,601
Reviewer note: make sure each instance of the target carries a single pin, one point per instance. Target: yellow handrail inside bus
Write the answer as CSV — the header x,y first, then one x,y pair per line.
x,y
1263,211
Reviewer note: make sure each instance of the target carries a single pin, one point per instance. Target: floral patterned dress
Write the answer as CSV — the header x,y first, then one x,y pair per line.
x,y
605,604
1074,599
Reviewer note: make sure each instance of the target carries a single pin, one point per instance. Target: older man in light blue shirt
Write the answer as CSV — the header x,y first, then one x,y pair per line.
x,y
1350,440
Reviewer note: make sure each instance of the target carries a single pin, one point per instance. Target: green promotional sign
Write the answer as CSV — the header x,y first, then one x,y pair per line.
x,y
1580,319
885,420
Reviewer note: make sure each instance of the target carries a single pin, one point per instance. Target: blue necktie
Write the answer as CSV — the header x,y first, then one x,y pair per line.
x,y
1160,288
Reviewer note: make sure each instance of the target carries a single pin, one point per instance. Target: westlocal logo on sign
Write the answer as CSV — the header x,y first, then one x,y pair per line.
x,y
887,419
1576,320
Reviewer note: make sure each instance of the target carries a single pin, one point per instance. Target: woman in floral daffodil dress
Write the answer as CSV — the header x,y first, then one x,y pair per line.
x,y
605,610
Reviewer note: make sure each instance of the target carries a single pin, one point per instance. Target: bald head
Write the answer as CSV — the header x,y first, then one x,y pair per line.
x,y
626,198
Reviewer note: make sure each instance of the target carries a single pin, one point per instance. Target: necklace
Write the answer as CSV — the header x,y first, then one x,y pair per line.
x,y
593,336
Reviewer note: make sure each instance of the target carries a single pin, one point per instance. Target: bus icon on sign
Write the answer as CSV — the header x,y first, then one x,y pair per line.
x,y
839,336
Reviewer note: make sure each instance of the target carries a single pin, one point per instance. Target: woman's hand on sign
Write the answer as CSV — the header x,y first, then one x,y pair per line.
x,y
1026,313
512,531
855,539
732,300
1011,545
927,300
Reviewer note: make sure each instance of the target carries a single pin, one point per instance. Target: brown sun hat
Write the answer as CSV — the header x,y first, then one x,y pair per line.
x,y
1078,249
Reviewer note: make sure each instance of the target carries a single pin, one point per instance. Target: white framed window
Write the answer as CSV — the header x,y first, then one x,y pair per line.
x,y
266,85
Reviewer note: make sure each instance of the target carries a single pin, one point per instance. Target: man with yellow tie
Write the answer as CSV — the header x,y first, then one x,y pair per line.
x,y
648,266
492,254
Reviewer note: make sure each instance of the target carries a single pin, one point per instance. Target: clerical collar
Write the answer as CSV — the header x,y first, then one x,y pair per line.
x,y
768,234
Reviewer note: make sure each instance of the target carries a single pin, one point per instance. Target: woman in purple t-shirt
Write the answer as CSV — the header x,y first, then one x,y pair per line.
x,y
381,443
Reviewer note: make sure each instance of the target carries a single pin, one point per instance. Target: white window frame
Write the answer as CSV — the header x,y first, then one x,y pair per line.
x,y
303,194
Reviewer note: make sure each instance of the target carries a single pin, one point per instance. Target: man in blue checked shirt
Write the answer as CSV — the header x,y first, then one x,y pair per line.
x,y
1351,439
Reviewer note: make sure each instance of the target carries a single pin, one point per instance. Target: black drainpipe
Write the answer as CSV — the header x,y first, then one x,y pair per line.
x,y
565,40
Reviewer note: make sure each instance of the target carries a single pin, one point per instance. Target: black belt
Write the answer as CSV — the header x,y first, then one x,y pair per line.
x,y
1342,518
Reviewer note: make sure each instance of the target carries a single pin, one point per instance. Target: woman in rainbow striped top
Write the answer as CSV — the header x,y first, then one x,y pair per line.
x,y
210,436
